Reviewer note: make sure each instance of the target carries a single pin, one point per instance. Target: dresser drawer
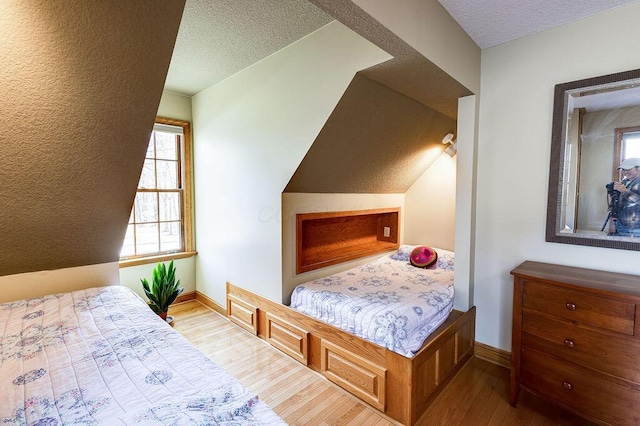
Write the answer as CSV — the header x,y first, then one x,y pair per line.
x,y
580,389
576,305
615,355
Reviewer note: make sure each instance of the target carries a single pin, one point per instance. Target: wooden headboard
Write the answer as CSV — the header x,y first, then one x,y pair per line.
x,y
328,238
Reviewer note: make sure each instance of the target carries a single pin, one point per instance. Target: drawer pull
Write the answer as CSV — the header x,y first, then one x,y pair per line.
x,y
569,343
571,306
567,385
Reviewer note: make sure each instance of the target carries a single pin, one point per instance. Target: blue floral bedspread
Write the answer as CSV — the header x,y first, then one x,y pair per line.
x,y
101,356
388,301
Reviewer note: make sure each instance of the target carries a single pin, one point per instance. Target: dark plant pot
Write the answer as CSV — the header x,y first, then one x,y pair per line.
x,y
163,315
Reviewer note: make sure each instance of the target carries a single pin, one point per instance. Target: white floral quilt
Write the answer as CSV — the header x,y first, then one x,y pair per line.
x,y
388,301
101,356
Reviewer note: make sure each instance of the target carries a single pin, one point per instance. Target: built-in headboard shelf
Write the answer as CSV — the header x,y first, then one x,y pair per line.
x,y
328,238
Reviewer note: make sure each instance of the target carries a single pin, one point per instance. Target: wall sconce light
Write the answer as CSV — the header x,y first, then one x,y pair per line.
x,y
450,144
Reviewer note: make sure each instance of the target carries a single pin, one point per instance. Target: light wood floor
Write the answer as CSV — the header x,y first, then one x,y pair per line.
x,y
478,395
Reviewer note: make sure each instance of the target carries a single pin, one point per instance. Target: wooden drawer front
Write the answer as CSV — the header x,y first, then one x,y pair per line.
x,y
617,356
243,314
290,339
575,305
580,389
357,375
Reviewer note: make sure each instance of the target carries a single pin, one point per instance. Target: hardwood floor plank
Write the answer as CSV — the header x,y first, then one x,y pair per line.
x,y
478,395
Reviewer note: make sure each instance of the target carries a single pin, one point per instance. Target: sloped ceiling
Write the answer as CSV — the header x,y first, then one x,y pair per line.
x,y
220,38
79,79
375,141
409,72
382,134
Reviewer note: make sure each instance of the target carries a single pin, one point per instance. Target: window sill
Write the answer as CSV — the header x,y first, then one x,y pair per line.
x,y
156,259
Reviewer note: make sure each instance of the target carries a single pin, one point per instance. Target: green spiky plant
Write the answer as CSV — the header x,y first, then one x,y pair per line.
x,y
163,290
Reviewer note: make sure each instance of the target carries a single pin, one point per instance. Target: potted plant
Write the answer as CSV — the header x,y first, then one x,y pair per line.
x,y
163,290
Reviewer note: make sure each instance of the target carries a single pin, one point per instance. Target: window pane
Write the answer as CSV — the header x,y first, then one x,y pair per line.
x,y
148,176
169,206
631,145
167,174
128,246
170,236
166,146
156,222
147,238
146,207
151,152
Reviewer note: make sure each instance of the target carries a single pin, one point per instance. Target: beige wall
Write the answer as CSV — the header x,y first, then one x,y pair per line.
x,y
518,80
375,141
78,103
251,131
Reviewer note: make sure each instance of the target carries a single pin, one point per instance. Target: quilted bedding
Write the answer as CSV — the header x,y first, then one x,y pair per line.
x,y
101,356
387,301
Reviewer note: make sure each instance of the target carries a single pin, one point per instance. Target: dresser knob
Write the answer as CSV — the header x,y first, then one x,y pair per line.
x,y
569,343
571,306
567,385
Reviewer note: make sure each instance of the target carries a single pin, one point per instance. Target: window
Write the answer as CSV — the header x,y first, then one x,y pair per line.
x,y
627,145
160,221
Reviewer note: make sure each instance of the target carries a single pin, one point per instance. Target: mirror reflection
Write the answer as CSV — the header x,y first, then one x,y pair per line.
x,y
595,181
603,129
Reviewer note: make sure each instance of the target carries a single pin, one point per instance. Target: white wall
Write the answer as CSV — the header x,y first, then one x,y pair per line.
x,y
293,203
37,284
251,131
430,204
175,105
514,140
172,105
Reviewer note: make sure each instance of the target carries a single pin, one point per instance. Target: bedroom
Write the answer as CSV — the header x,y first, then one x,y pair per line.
x,y
511,153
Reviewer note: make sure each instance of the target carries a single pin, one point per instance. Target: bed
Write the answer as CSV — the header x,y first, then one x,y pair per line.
x,y
387,301
399,386
101,356
399,380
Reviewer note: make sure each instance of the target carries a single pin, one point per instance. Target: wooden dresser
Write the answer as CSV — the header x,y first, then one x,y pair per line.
x,y
576,340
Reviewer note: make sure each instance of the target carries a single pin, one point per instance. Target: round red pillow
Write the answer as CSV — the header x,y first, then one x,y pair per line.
x,y
423,256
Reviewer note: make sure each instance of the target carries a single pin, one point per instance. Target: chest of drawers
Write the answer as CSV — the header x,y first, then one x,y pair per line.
x,y
576,340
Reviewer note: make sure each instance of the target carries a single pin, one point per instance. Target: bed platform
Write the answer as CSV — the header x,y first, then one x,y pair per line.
x,y
401,387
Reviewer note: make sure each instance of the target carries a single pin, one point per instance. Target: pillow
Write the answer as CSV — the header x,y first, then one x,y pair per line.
x,y
423,256
404,252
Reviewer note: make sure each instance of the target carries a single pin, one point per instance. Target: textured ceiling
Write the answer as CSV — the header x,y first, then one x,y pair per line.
x,y
219,38
493,22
